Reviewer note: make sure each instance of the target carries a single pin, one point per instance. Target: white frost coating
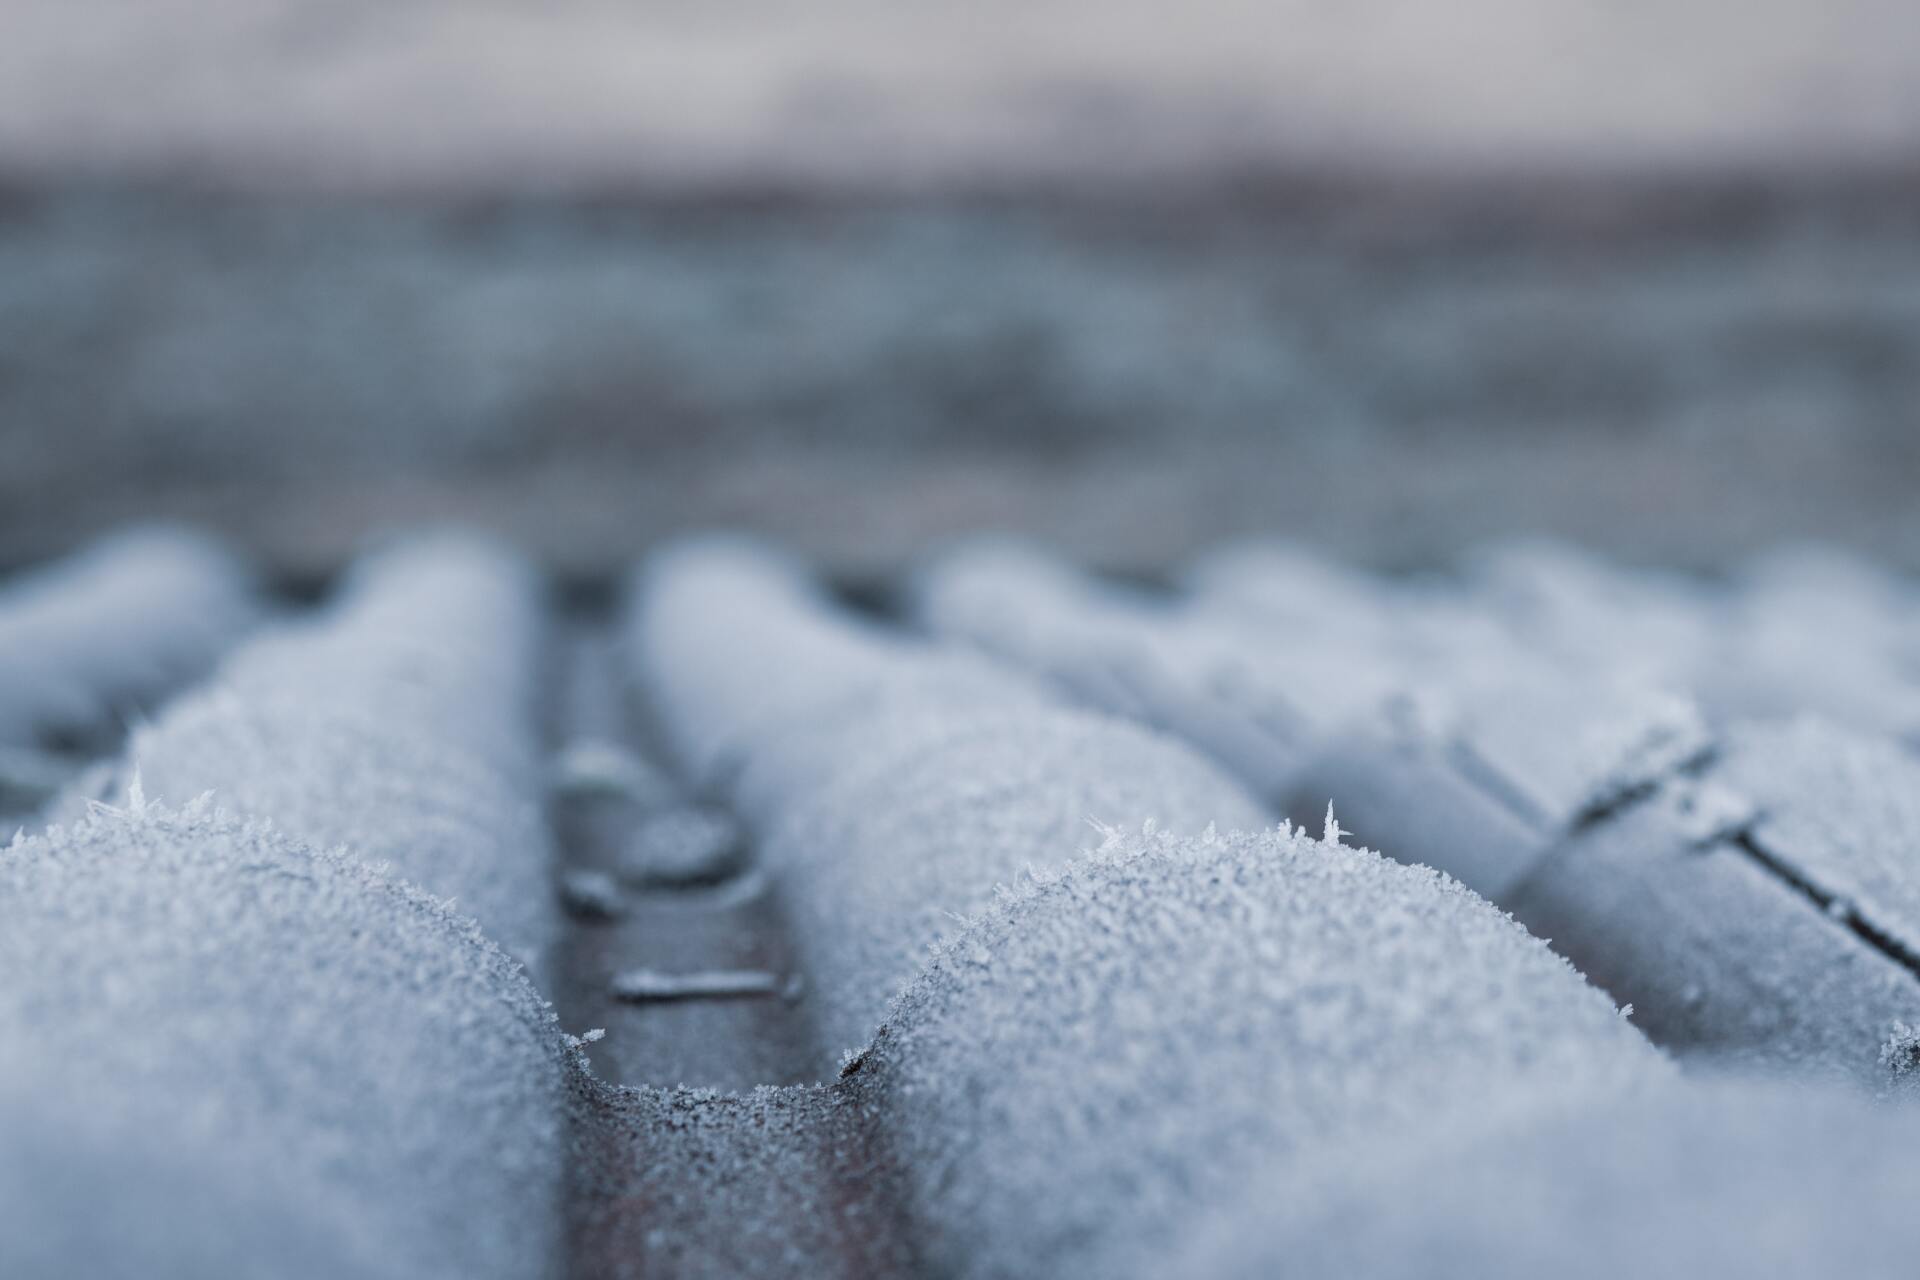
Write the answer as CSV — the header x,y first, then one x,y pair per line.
x,y
1724,958
122,1195
1204,680
1105,1053
90,640
1842,811
1403,665
1557,599
1572,746
893,784
1705,810
246,1057
1281,581
1804,631
398,722
737,650
1723,955
1821,633
1413,632
910,841
1547,678
1900,1055
1700,1179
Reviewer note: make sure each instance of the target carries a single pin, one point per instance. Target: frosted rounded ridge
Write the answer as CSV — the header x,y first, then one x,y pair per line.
x,y
270,1027
1108,1011
1110,1050
891,783
399,722
93,639
1715,1178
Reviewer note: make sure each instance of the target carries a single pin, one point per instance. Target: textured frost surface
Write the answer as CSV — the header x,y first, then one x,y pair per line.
x,y
893,784
1698,1179
1582,610
1900,1055
1805,631
1568,716
1841,810
737,652
1280,581
1821,633
1724,954
1105,1053
1568,747
1307,680
771,1183
398,722
896,854
198,1009
1144,660
1102,1055
1539,701
121,1195
95,638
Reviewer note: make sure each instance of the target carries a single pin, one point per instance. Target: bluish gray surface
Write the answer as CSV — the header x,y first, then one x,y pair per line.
x,y
892,784
399,722
93,640
244,1056
1750,888
1104,1054
1708,1179
1106,1019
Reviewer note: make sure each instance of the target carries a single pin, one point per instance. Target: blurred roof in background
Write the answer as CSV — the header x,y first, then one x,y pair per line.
x,y
1128,277
513,93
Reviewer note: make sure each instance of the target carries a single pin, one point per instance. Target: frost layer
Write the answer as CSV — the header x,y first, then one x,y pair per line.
x,y
1086,1061
891,784
226,1053
1842,811
1107,1053
398,722
97,637
1700,1179
1442,738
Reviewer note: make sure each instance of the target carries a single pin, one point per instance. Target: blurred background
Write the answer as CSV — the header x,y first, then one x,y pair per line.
x,y
1391,277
